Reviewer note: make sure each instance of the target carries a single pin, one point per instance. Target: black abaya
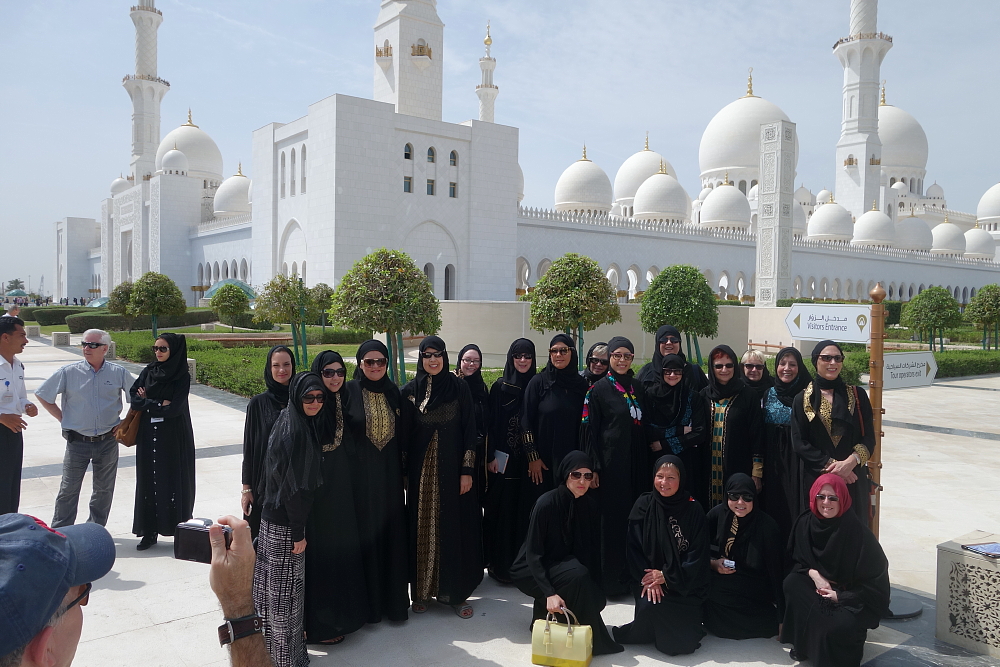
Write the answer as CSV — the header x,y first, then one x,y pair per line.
x,y
693,374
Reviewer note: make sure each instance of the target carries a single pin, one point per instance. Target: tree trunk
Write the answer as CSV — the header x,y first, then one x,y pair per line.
x,y
580,361
697,349
390,341
295,347
155,331
402,358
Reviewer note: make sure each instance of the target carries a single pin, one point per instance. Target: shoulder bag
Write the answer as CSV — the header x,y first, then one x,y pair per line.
x,y
128,430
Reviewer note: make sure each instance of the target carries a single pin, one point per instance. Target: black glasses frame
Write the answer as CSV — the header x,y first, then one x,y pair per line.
x,y
747,498
307,399
332,372
92,345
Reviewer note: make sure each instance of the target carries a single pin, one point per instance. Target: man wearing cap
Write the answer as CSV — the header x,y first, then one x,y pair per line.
x,y
13,403
91,407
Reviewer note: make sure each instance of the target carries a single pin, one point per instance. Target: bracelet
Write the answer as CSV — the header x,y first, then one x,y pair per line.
x,y
238,628
246,491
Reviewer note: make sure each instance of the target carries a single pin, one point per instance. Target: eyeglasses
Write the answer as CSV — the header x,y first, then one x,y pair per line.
x,y
833,499
559,350
313,398
381,361
334,372
91,346
754,367
81,600
834,358
576,474
471,362
745,497
673,371
620,356
597,361
432,355
671,340
719,367
160,348
524,356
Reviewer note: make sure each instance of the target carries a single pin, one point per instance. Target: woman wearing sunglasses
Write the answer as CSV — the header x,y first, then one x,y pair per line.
x,y
745,598
469,367
737,425
668,341
164,457
838,588
832,429
559,564
336,598
667,550
755,372
445,520
597,363
292,473
373,404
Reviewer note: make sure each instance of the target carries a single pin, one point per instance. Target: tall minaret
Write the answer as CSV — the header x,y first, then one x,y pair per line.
x,y
859,151
486,91
409,48
146,90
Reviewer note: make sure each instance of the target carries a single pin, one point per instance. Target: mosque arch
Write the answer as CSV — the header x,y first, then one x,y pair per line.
x,y
921,288
216,274
429,272
201,274
244,271
633,280
797,287
295,270
453,158
282,174
292,183
284,269
956,293
835,289
449,282
293,246
522,273
543,266
614,275
302,172
965,295
429,242
824,289
811,287
431,154
890,291
233,271
972,293
724,283
651,274
741,285
709,277
225,269
408,152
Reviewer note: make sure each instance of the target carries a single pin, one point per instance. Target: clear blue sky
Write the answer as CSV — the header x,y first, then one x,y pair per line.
x,y
569,72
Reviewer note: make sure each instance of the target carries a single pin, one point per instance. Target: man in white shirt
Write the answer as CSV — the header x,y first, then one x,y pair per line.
x,y
14,311
13,403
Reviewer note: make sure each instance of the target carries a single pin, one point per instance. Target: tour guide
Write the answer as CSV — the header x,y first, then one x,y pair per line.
x,y
13,403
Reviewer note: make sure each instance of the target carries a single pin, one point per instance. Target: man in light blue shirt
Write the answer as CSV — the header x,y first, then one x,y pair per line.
x,y
91,411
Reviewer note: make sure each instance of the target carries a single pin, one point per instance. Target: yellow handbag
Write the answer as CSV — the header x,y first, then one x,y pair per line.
x,y
561,644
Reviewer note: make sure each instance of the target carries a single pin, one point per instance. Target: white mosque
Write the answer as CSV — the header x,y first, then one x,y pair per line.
x,y
353,174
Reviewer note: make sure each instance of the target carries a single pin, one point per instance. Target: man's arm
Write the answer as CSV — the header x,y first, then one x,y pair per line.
x,y
52,408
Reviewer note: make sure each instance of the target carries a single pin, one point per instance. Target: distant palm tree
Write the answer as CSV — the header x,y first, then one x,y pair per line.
x,y
16,283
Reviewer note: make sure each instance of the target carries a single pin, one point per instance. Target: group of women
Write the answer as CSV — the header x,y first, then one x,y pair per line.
x,y
368,500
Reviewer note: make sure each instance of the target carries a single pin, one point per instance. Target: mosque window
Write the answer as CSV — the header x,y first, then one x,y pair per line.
x,y
292,183
303,174
453,190
407,184
453,159
430,186
743,187
431,154
407,152
282,174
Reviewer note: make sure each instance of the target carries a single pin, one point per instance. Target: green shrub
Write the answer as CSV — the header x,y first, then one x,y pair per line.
x,y
959,363
316,336
246,321
109,322
50,315
893,310
28,312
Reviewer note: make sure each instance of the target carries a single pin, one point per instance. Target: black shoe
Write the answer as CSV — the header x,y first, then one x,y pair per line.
x,y
146,542
796,656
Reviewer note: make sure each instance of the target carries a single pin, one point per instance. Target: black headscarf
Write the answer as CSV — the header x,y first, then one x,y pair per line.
x,y
821,381
592,377
765,382
568,378
163,376
293,462
716,390
786,391
514,382
431,391
734,534
359,373
842,418
659,516
333,410
614,344
661,335
276,389
573,460
475,381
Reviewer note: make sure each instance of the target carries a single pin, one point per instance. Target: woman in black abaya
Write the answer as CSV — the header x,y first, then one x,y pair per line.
x,y
559,564
667,564
469,367
372,412
617,444
506,508
755,372
838,588
668,341
446,548
262,412
550,416
596,363
164,457
336,595
745,598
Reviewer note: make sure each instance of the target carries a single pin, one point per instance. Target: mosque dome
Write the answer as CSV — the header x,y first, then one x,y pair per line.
x,y
752,195
583,187
948,239
874,228
989,205
979,244
233,196
204,158
913,233
901,189
803,196
904,143
935,191
520,184
823,196
635,170
800,225
703,195
119,185
174,162
661,197
831,222
732,138
726,207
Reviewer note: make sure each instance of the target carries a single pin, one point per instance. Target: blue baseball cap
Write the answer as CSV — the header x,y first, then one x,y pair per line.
x,y
38,566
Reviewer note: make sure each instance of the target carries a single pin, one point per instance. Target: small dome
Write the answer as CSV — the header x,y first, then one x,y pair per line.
x,y
913,233
583,187
803,196
901,189
752,195
635,170
616,209
119,185
174,162
823,197
233,196
703,195
948,239
831,222
726,207
732,138
904,143
874,228
935,191
979,244
989,206
661,197
203,155
520,184
800,225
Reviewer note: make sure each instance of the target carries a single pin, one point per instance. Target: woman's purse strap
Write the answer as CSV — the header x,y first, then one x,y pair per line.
x,y
571,619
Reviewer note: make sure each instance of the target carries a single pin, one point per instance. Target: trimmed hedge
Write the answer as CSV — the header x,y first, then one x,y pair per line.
x,y
245,321
111,322
336,336
959,363
50,315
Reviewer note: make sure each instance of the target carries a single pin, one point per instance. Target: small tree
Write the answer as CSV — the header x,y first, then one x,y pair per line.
x,y
385,291
155,294
984,309
285,299
573,296
321,298
230,302
119,301
932,310
681,296
14,284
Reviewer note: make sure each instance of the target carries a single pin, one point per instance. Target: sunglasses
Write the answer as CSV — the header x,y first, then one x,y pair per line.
x,y
471,362
160,348
334,372
576,474
524,356
381,361
745,497
673,371
91,346
754,367
719,367
82,599
833,499
597,360
559,350
619,356
672,340
432,355
313,398
835,358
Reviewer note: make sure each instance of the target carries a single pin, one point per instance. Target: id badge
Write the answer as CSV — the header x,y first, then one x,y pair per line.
x,y
155,420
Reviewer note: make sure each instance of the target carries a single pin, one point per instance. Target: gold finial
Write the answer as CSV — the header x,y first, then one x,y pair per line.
x,y
946,217
239,169
584,153
874,207
489,40
175,145
831,198
663,167
726,181
882,103
750,83
647,141
190,123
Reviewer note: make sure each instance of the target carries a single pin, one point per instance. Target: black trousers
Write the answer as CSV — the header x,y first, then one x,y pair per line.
x,y
11,456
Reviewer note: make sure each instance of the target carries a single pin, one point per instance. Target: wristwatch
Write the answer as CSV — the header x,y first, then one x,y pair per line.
x,y
238,628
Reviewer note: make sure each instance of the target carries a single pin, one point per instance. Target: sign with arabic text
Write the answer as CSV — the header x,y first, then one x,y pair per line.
x,y
908,369
844,323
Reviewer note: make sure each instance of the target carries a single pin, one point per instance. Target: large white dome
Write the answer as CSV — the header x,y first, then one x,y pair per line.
x,y
726,207
979,244
904,143
661,197
874,228
119,185
831,222
635,170
583,187
233,196
912,233
732,139
204,157
988,210
948,239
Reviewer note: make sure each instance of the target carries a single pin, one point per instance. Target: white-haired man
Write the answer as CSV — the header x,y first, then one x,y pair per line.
x,y
91,411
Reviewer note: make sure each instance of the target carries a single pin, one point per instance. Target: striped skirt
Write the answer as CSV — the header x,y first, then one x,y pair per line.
x,y
279,580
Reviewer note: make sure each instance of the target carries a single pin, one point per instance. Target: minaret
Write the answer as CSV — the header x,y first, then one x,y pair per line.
x,y
859,151
146,90
486,91
409,48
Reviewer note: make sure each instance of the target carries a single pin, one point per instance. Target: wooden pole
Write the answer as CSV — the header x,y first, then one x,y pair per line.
x,y
877,366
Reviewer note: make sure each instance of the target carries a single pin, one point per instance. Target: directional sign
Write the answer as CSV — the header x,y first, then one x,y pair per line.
x,y
843,323
909,369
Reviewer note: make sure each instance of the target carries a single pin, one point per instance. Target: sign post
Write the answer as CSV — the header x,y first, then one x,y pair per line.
x,y
875,385
846,323
909,369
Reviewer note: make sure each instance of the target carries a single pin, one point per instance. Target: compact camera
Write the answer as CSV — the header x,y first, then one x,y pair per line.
x,y
191,540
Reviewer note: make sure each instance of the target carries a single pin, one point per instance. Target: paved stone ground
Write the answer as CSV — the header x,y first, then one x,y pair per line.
x,y
939,454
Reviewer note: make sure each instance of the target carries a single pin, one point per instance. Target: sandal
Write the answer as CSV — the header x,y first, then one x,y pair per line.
x,y
333,642
419,607
464,610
